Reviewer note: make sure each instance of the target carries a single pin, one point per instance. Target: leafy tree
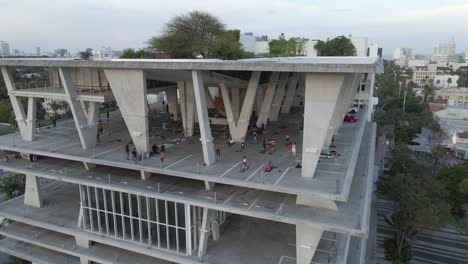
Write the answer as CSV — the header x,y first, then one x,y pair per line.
x,y
428,91
449,81
196,33
286,48
227,47
339,46
139,54
86,55
12,186
5,110
454,178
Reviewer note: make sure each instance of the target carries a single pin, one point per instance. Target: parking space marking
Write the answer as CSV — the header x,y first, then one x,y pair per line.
x,y
282,175
226,172
167,167
255,172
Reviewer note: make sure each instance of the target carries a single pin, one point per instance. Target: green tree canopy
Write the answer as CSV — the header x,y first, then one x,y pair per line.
x,y
339,46
287,48
86,55
198,33
139,54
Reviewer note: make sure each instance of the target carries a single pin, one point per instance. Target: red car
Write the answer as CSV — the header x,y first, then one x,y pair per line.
x,y
350,118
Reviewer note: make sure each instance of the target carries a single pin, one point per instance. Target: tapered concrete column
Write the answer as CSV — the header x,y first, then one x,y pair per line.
x,y
341,107
204,233
290,93
82,241
145,175
32,194
321,95
238,128
235,102
259,99
26,120
203,120
278,98
268,99
172,102
209,100
85,122
187,106
129,89
300,91
307,240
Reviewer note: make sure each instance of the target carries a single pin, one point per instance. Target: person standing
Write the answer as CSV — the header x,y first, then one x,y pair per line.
x,y
254,137
264,143
134,155
162,155
107,115
127,151
242,146
244,162
293,149
218,150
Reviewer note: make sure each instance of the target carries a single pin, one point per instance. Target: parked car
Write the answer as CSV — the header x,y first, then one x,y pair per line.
x,y
350,118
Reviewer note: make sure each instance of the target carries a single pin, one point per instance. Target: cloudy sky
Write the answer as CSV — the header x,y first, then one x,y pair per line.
x,y
77,24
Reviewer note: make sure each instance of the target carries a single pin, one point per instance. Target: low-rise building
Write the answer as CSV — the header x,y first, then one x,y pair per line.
x,y
424,74
446,81
453,96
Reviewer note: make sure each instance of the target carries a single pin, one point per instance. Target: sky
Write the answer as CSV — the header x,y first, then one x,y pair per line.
x,y
79,24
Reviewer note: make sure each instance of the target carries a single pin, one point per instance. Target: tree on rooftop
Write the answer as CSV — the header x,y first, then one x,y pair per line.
x,y
287,48
197,33
339,46
86,55
139,54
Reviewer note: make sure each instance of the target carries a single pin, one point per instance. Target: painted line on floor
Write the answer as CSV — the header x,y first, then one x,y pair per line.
x,y
282,175
226,172
167,167
285,257
65,146
333,172
110,150
255,172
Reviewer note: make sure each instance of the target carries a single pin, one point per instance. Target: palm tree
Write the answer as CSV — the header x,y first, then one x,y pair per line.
x,y
428,91
449,81
438,82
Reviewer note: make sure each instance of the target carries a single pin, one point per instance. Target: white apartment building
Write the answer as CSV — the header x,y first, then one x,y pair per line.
x,y
445,52
4,48
454,96
401,56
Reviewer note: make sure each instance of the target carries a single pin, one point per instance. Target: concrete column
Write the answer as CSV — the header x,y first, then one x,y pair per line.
x,y
209,100
341,107
290,93
259,99
307,240
26,121
129,89
370,106
172,102
88,166
238,130
235,103
204,233
321,95
82,241
203,120
145,175
32,194
87,129
278,98
300,91
84,260
268,99
187,106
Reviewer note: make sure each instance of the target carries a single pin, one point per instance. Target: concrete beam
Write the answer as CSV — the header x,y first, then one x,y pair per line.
x,y
238,128
279,95
290,93
314,201
82,241
32,194
86,127
307,240
203,119
26,121
129,89
173,102
268,99
321,95
187,106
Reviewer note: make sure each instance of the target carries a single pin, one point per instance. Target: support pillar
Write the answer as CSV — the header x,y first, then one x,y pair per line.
x,y
268,99
259,99
290,93
321,95
300,91
84,260
307,240
278,98
32,194
88,166
82,241
204,233
129,89
145,175
235,103
187,106
203,120
85,120
26,120
173,103
238,128
341,107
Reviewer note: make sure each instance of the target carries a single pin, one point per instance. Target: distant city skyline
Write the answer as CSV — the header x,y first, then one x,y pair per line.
x,y
76,25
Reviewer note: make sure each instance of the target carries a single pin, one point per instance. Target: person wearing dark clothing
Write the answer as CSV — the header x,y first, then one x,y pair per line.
x,y
127,151
54,122
264,144
134,155
154,148
163,148
107,115
242,146
218,150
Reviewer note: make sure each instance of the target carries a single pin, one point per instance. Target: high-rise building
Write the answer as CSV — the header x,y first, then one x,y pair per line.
x,y
4,48
248,41
37,51
445,52
160,183
401,56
